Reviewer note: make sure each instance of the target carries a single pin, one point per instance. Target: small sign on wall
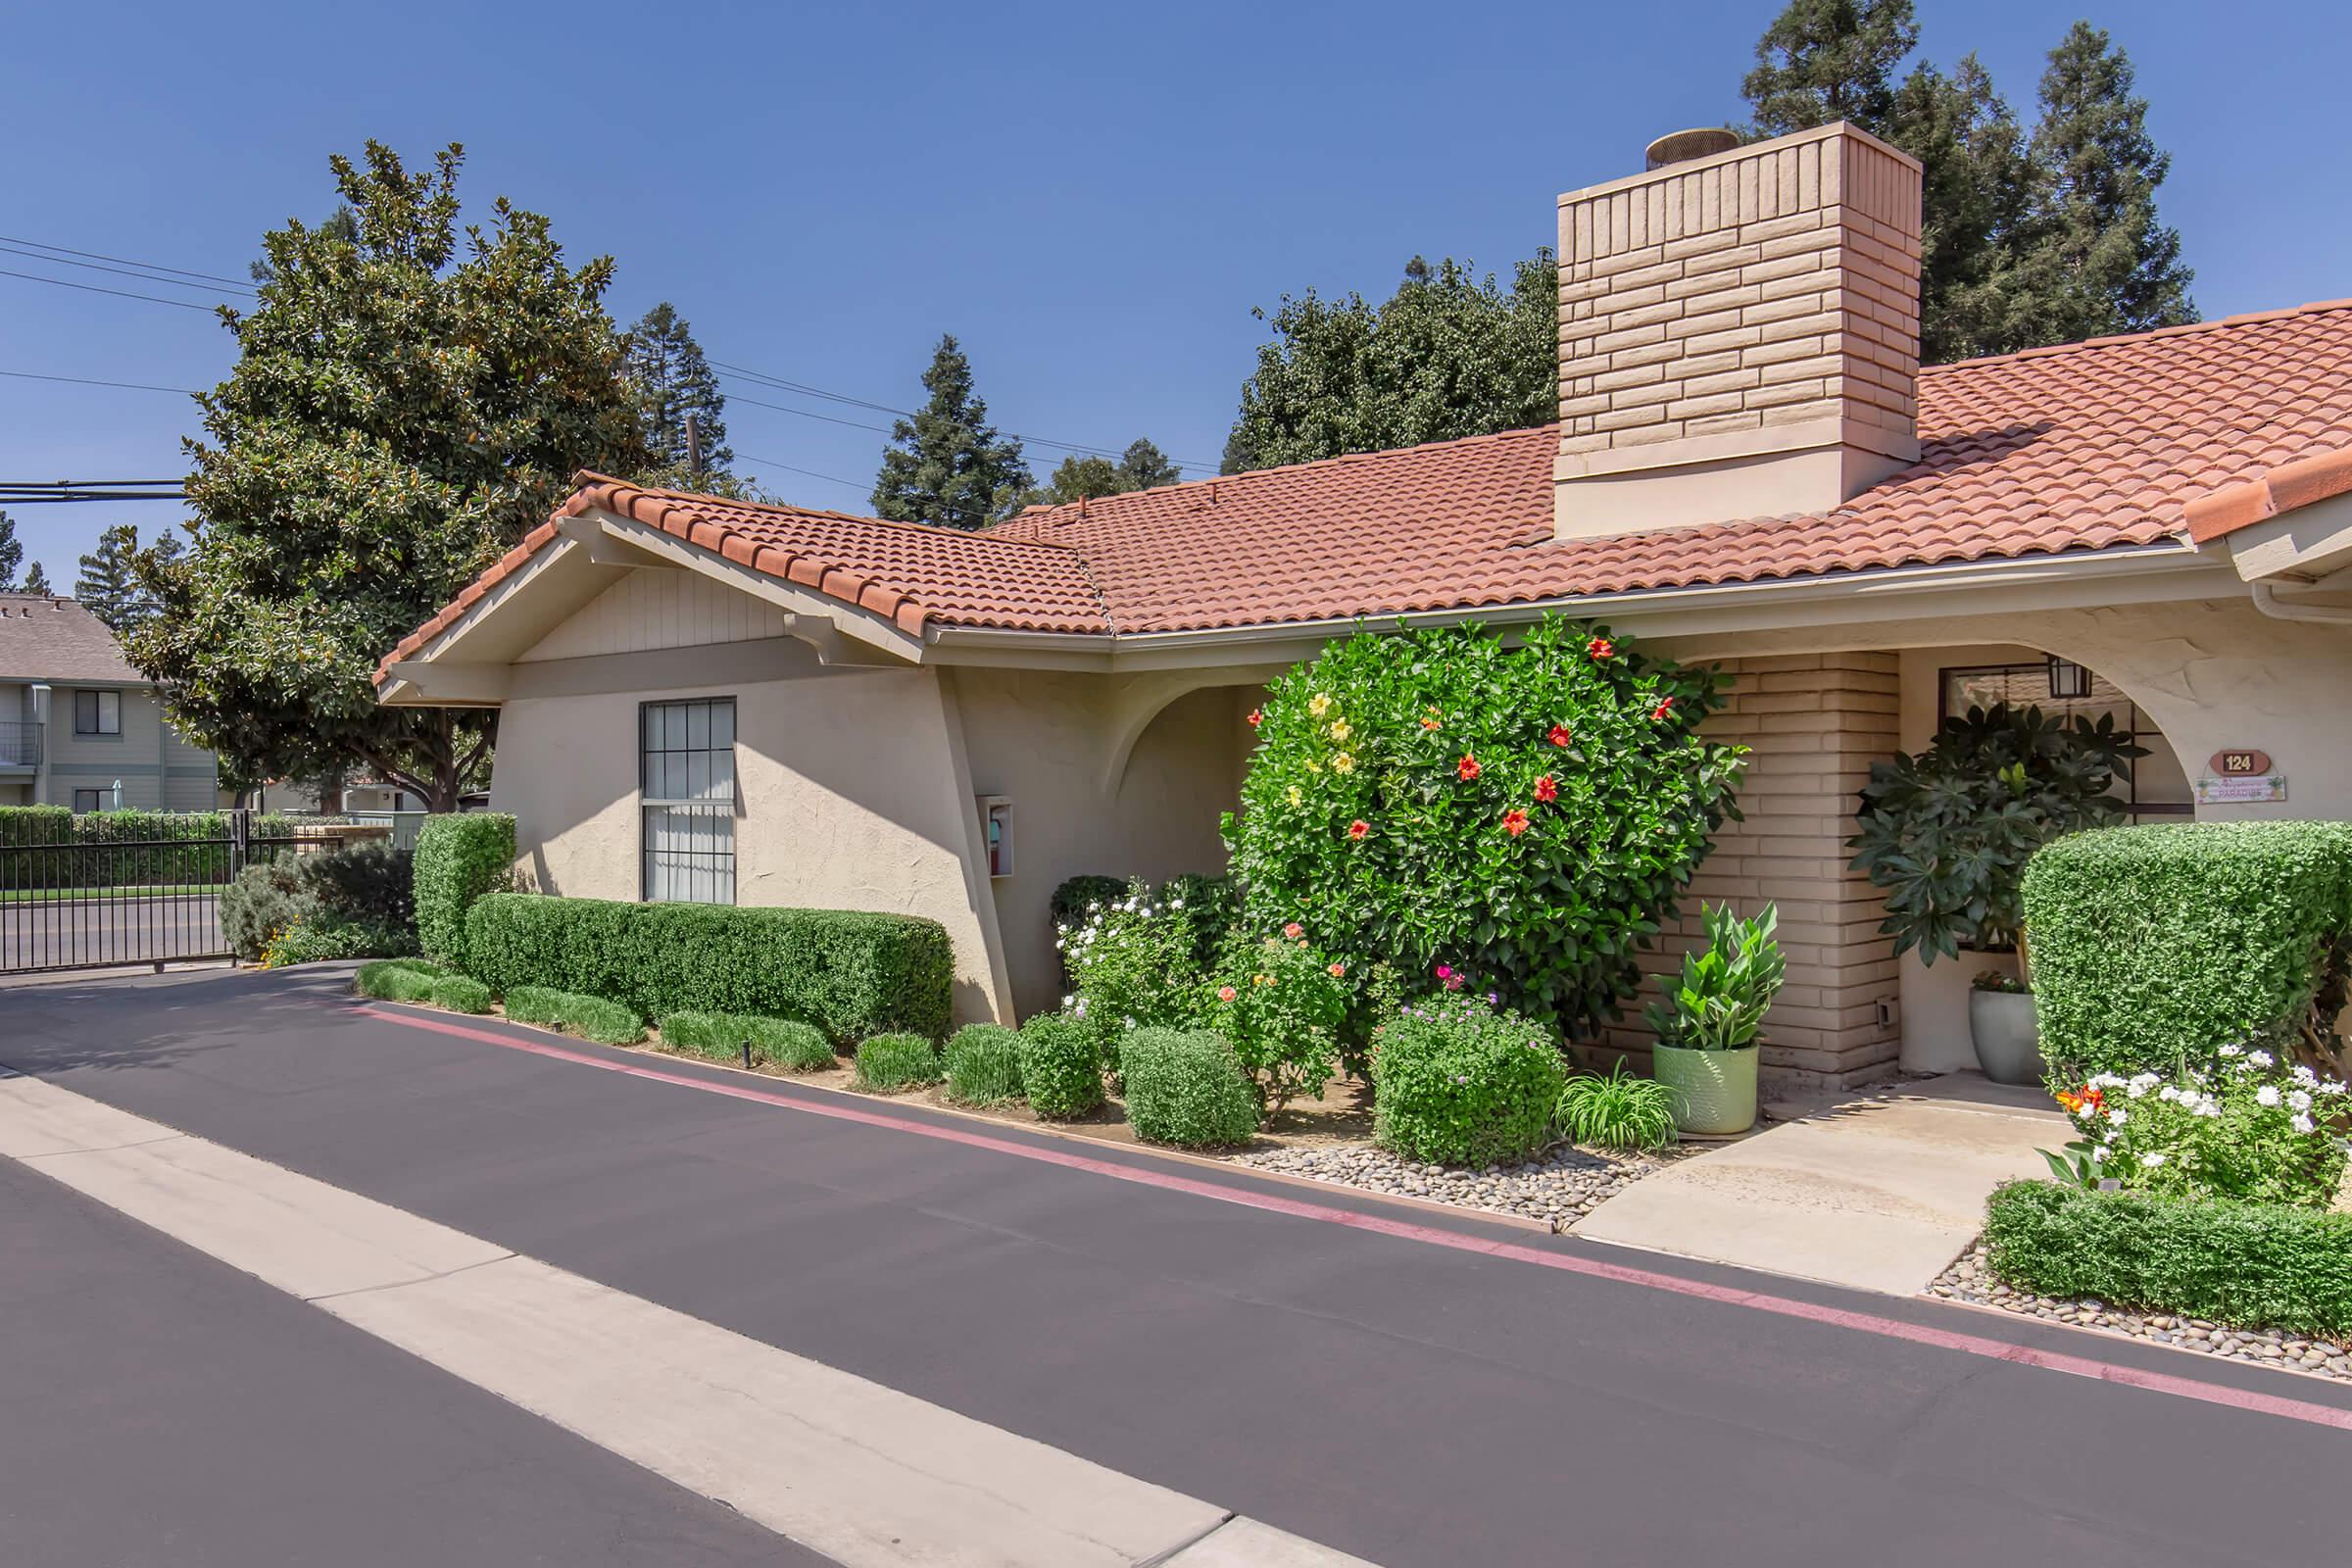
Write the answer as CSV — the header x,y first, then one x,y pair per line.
x,y
2241,791
2240,761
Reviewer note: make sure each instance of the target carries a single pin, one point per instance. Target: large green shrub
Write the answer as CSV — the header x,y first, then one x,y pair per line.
x,y
1187,1088
1061,1065
1949,832
344,902
262,901
1527,816
461,855
2152,947
984,1064
607,1022
785,1043
848,972
1458,1083
2251,1265
889,1063
1281,1004
173,848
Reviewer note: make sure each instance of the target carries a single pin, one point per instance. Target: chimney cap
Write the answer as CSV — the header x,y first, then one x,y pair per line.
x,y
1681,146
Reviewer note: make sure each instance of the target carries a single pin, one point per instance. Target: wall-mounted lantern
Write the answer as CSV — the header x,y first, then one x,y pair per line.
x,y
2067,679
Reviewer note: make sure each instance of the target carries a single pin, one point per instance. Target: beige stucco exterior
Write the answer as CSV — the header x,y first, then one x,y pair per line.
x,y
43,761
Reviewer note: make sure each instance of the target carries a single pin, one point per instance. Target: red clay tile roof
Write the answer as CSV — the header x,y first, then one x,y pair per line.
x,y
2073,447
2284,488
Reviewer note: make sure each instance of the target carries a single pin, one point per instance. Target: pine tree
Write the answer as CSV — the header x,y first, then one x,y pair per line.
x,y
2098,261
12,554
1822,61
949,465
37,581
1086,479
677,380
1144,467
108,586
1975,206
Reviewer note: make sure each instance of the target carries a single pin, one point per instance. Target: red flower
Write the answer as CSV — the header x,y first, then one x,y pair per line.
x,y
1559,735
1358,828
1664,707
1601,648
1546,790
1257,716
1514,822
1338,971
1467,768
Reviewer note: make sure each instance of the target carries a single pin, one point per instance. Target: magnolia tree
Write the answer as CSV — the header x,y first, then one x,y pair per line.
x,y
1516,819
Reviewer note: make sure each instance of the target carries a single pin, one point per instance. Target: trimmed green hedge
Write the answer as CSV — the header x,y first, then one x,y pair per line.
x,y
784,1043
984,1064
461,855
1187,1088
2152,945
2251,1265
170,858
607,1023
1457,1083
410,980
1061,1065
898,1060
852,974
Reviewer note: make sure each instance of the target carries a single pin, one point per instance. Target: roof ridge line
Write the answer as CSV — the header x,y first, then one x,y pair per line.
x,y
2120,339
588,477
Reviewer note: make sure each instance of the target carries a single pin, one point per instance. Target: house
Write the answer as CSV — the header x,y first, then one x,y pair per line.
x,y
79,727
706,700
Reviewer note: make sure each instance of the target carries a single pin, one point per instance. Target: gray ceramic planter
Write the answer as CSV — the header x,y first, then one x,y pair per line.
x,y
2008,1040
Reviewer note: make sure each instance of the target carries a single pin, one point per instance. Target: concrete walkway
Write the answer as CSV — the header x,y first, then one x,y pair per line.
x,y
1879,1191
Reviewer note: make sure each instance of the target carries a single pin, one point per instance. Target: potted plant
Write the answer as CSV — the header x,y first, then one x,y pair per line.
x,y
1709,1017
1948,834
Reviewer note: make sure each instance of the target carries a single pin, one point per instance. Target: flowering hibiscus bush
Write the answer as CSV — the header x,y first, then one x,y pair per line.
x,y
1282,1005
2244,1127
1527,814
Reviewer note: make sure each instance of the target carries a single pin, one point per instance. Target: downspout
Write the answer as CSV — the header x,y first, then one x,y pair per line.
x,y
2267,600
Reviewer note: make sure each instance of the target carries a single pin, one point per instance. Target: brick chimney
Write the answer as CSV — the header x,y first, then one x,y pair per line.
x,y
1738,332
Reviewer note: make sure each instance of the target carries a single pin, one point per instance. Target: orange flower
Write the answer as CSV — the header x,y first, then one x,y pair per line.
x,y
1559,735
1338,971
1257,716
1514,822
1358,828
1546,790
1294,930
1429,723
1601,648
1467,768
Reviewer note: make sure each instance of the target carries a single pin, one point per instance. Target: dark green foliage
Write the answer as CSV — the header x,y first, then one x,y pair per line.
x,y
848,972
890,1063
785,1043
406,980
1061,1065
369,881
37,581
410,397
1537,867
1948,832
459,994
1457,1083
607,1023
179,855
984,1064
1085,478
108,586
319,938
1449,354
345,903
948,466
1186,1088
1829,60
261,901
1071,899
674,379
2154,946
12,554
459,857
2249,1266
1621,1110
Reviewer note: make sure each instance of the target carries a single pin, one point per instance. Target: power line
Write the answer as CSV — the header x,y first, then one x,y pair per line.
x,y
120,293
118,271
100,256
830,478
38,492
83,380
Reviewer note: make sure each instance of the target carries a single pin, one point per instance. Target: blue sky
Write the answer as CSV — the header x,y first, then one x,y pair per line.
x,y
1092,197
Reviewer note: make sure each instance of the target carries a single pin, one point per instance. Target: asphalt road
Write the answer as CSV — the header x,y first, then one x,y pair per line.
x,y
1414,1404
165,1409
39,934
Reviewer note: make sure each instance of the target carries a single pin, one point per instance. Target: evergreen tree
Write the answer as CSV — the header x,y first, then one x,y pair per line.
x,y
674,378
948,466
1144,467
1976,189
108,585
37,581
2098,261
12,554
1087,478
1822,61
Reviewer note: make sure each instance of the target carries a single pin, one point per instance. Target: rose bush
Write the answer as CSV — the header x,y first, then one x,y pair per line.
x,y
2242,1127
1527,814
1281,1004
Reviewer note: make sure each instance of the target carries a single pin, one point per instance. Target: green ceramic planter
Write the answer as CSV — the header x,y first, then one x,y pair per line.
x,y
1714,1091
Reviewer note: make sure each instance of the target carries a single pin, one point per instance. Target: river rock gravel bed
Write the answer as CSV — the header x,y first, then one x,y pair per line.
x,y
1555,1188
1970,1279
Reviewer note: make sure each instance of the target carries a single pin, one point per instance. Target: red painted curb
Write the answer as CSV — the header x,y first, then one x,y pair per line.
x,y
1405,1230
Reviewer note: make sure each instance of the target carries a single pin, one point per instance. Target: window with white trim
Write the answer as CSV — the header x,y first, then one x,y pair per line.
x,y
686,777
97,713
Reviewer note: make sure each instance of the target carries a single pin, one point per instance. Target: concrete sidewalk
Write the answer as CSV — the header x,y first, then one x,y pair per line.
x,y
1878,1190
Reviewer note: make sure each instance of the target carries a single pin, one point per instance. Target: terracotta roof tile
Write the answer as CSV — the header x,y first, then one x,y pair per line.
x,y
2116,441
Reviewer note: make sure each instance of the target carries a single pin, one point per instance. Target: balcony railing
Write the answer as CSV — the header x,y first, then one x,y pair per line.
x,y
19,743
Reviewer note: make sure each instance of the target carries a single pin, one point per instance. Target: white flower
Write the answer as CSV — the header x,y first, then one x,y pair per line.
x,y
1175,904
2141,1083
2302,1124
2267,1095
2098,1153
2116,1115
2107,1080
2229,1050
2260,1058
1069,1000
2209,1107
2299,1099
2304,1075
2335,1086
2168,1094
1080,1009
2151,1159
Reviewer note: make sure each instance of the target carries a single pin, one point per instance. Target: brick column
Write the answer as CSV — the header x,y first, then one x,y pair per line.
x,y
1813,724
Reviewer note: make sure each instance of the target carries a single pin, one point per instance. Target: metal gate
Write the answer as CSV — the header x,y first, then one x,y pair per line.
x,y
90,904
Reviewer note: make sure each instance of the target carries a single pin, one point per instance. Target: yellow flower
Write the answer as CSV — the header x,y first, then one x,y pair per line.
x,y
1318,704
1340,729
1345,762
1261,979
1313,766
1295,798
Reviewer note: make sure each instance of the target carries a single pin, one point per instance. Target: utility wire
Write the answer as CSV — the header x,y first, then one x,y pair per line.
x,y
83,380
100,256
120,293
95,267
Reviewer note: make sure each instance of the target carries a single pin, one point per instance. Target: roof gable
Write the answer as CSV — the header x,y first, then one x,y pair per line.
x,y
43,637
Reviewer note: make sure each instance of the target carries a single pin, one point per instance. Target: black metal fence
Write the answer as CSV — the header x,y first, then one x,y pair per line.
x,y
148,901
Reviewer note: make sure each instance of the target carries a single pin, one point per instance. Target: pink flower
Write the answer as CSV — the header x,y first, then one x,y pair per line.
x,y
1453,982
1338,971
1444,971
1226,993
1294,930
1257,716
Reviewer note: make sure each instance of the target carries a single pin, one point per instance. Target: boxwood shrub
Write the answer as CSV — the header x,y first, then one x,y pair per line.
x,y
1061,1065
406,980
459,857
849,973
2151,946
897,1061
784,1043
1186,1087
593,1016
1458,1083
2250,1265
984,1064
